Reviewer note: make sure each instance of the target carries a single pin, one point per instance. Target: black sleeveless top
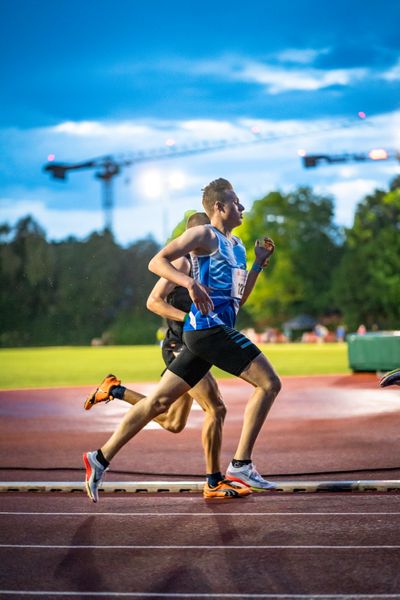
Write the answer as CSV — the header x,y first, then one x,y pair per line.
x,y
179,298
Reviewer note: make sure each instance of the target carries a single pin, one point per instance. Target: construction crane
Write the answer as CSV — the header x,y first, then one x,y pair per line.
x,y
108,167
377,154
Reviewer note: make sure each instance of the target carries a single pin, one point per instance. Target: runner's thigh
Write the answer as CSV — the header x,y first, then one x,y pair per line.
x,y
190,367
223,347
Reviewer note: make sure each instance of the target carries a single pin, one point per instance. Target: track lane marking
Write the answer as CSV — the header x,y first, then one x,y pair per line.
x,y
191,547
195,514
196,595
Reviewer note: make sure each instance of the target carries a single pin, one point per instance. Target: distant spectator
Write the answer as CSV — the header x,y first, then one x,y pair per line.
x,y
272,335
250,332
321,332
340,333
281,338
362,330
309,337
330,338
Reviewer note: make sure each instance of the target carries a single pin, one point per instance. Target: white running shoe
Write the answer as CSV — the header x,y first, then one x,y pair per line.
x,y
391,378
249,476
94,475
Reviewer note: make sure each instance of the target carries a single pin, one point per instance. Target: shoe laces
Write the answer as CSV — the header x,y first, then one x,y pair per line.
x,y
254,474
229,482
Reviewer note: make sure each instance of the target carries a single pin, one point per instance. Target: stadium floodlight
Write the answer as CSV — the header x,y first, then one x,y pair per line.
x,y
314,160
157,184
378,154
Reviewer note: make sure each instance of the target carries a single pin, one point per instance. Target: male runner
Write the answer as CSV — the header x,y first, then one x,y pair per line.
x,y
209,336
173,302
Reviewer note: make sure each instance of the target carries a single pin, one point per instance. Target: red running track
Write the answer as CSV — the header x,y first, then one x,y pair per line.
x,y
173,546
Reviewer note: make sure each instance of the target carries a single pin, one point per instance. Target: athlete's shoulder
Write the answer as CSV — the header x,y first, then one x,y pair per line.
x,y
206,239
205,231
237,240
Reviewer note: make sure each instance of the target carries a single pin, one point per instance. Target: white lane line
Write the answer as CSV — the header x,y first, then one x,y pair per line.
x,y
199,547
196,514
197,595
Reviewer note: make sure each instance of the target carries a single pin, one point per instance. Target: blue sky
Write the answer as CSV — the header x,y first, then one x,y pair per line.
x,y
81,80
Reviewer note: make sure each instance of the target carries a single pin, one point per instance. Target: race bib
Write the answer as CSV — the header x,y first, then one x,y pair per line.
x,y
239,278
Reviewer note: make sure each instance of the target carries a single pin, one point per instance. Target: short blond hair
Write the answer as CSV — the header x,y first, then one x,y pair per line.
x,y
214,192
197,218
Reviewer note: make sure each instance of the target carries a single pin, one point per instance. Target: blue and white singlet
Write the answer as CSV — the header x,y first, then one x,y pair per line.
x,y
224,275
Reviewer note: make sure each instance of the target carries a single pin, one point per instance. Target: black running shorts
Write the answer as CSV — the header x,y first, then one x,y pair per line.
x,y
169,353
221,346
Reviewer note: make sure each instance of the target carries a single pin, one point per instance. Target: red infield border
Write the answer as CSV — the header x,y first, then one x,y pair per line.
x,y
326,545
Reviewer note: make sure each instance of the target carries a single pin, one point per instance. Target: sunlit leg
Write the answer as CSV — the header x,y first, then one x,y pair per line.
x,y
169,389
267,385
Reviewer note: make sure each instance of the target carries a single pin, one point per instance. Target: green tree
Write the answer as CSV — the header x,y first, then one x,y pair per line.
x,y
367,281
88,288
72,291
308,247
134,324
181,226
27,277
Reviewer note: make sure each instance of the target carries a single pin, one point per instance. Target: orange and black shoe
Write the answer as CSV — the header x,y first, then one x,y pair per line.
x,y
103,392
225,489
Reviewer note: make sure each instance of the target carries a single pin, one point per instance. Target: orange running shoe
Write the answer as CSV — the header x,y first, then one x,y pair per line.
x,y
225,489
103,392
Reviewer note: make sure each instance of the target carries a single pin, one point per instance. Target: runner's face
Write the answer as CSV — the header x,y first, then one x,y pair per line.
x,y
233,209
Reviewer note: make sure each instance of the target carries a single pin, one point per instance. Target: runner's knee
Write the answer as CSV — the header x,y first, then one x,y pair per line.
x,y
161,404
271,384
176,427
274,384
217,411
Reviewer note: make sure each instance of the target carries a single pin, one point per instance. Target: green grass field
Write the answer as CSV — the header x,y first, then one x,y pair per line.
x,y
70,366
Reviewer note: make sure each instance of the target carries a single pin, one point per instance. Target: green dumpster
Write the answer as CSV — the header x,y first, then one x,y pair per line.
x,y
378,351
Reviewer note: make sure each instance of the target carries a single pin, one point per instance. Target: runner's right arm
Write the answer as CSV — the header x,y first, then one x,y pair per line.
x,y
200,240
157,300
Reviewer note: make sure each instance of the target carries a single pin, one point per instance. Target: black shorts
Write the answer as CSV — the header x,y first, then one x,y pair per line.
x,y
170,351
221,346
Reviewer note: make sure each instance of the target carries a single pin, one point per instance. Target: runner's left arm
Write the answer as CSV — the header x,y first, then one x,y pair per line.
x,y
263,251
157,300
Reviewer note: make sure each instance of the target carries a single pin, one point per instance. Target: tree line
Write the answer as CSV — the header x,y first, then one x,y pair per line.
x,y
70,292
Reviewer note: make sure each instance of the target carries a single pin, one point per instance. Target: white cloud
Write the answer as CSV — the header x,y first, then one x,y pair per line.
x,y
304,56
98,129
209,128
348,172
392,74
278,79
348,194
